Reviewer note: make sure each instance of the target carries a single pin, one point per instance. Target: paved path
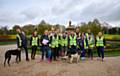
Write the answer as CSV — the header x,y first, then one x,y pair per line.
x,y
110,67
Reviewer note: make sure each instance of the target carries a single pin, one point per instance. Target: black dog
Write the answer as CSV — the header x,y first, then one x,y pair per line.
x,y
12,52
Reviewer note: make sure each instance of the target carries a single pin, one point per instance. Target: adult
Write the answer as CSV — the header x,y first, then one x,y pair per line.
x,y
100,43
45,46
22,42
34,43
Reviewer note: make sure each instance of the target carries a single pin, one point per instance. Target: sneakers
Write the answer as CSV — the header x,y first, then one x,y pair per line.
x,y
101,59
82,58
49,61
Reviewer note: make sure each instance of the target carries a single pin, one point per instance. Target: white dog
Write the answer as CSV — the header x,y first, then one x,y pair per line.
x,y
71,58
75,56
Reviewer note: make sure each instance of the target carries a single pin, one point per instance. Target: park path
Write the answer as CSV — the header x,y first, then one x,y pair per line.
x,y
110,67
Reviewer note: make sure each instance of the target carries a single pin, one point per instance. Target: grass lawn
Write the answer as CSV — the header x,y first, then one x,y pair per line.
x,y
113,45
107,53
7,43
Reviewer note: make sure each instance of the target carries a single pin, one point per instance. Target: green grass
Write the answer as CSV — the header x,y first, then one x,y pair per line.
x,y
112,37
114,44
107,53
6,43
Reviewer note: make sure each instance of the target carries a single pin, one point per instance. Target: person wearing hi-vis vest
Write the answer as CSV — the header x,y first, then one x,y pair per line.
x,y
83,46
72,43
100,43
59,33
87,38
78,43
64,43
78,34
91,44
22,41
34,43
54,46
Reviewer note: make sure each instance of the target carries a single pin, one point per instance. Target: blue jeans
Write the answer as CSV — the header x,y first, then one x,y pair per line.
x,y
82,52
49,54
45,50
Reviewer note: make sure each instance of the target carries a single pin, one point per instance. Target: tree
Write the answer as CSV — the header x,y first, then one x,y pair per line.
x,y
28,29
42,26
4,30
119,30
94,26
1,31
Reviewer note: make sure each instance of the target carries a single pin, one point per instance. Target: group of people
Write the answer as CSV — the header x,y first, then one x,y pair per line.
x,y
55,44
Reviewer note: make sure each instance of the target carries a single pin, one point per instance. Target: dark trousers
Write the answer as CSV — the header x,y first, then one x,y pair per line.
x,y
90,53
86,52
26,52
55,53
59,50
100,51
79,50
33,53
45,50
64,50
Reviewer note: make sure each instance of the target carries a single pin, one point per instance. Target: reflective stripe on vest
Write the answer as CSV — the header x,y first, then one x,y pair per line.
x,y
91,42
87,36
59,41
34,41
64,42
54,42
19,38
85,46
73,40
99,41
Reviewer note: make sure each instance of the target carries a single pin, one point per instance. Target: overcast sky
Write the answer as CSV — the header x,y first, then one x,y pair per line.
x,y
58,11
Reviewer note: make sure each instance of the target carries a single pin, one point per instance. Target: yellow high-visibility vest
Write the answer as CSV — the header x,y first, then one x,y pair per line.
x,y
20,40
99,41
91,42
34,41
73,40
54,42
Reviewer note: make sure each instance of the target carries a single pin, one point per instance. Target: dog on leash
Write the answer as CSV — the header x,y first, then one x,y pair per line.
x,y
9,53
